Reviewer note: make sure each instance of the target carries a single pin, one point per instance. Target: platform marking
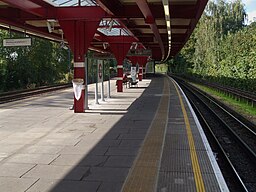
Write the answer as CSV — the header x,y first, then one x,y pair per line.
x,y
144,172
195,164
222,184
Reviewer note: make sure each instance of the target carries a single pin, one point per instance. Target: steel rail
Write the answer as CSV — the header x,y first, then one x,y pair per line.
x,y
218,144
236,92
22,94
243,145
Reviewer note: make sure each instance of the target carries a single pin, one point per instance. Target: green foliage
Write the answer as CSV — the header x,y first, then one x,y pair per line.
x,y
244,107
161,68
42,63
92,67
222,48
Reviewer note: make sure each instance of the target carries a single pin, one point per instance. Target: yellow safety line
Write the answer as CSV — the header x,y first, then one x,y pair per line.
x,y
195,164
144,172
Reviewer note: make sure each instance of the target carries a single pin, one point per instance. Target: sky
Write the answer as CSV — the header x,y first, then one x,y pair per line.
x,y
250,6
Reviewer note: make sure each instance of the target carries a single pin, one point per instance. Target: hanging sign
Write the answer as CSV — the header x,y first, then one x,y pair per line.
x,y
17,42
103,56
140,52
133,73
100,70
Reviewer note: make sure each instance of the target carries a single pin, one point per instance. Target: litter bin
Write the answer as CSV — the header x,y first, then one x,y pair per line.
x,y
78,87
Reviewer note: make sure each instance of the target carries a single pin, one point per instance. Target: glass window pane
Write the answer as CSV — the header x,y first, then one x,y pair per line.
x,y
68,3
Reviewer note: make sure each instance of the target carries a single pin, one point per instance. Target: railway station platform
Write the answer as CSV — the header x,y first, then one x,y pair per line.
x,y
145,139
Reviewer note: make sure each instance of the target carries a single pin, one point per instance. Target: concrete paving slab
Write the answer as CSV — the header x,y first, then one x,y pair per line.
x,y
4,134
9,149
32,158
131,142
89,140
25,135
79,160
106,135
14,125
127,151
17,141
8,184
132,136
42,149
110,187
78,140
80,127
41,129
47,185
76,150
109,143
60,135
138,131
87,118
4,155
119,161
14,169
57,172
99,150
106,174
59,142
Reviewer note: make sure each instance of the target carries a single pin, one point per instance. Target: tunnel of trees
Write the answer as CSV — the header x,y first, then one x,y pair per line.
x,y
221,49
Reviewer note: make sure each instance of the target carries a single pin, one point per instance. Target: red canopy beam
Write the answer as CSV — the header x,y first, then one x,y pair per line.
x,y
28,6
116,9
35,31
199,8
149,19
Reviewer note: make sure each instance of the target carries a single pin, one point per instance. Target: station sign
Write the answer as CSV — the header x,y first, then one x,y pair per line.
x,y
17,42
139,52
133,73
102,56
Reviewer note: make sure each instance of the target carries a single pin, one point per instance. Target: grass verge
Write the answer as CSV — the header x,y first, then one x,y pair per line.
x,y
242,107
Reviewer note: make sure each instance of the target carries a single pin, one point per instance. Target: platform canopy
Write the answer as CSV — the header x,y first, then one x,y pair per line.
x,y
162,26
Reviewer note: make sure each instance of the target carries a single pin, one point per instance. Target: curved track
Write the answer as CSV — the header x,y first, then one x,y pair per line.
x,y
233,92
236,139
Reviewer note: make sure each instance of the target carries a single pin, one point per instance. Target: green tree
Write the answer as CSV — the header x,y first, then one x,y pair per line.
x,y
42,63
222,48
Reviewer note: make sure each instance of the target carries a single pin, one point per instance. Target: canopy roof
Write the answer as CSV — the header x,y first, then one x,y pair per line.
x,y
163,26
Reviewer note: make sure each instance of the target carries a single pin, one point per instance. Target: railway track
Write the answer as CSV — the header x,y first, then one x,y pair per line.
x,y
235,92
232,92
234,138
22,94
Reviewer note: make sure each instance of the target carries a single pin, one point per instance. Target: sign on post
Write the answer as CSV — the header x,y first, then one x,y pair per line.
x,y
100,71
133,74
17,42
100,78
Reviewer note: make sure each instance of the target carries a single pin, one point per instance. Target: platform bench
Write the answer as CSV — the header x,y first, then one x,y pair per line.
x,y
132,83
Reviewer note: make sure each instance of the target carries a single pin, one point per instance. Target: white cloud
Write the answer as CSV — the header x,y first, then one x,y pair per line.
x,y
250,5
247,2
251,16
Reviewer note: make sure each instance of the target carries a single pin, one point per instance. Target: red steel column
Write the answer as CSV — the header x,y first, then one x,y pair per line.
x,y
134,60
79,34
140,72
120,51
142,63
